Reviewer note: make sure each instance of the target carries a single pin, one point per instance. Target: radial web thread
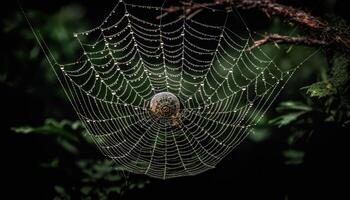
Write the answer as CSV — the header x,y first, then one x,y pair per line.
x,y
223,86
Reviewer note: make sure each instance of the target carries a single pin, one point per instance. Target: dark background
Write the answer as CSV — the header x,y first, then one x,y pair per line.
x,y
257,169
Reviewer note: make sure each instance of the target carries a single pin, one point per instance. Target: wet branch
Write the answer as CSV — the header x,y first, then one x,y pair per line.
x,y
324,34
282,39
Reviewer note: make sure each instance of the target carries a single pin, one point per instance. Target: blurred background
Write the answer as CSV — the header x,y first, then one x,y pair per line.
x,y
299,150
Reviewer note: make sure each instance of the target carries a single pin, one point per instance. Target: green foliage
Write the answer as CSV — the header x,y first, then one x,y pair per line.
x,y
320,89
76,167
260,134
292,111
293,157
93,177
338,77
65,133
25,66
331,106
52,127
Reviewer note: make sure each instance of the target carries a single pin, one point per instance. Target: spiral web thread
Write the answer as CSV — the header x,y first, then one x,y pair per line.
x,y
224,87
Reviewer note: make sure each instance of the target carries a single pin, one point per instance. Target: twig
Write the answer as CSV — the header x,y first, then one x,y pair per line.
x,y
271,8
324,34
281,39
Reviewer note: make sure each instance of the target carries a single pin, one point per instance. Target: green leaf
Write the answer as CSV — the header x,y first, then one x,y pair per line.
x,y
113,177
338,77
141,185
86,190
64,129
132,186
52,164
293,157
260,134
293,105
59,189
320,89
34,52
62,194
113,189
286,119
23,129
67,146
292,111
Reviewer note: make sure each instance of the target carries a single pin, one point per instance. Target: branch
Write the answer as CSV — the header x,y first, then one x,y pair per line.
x,y
281,39
271,8
326,35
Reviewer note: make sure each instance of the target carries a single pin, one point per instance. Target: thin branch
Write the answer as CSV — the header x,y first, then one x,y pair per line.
x,y
324,34
281,39
271,8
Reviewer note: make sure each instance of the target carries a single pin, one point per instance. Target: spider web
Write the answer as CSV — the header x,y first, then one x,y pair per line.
x,y
224,87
